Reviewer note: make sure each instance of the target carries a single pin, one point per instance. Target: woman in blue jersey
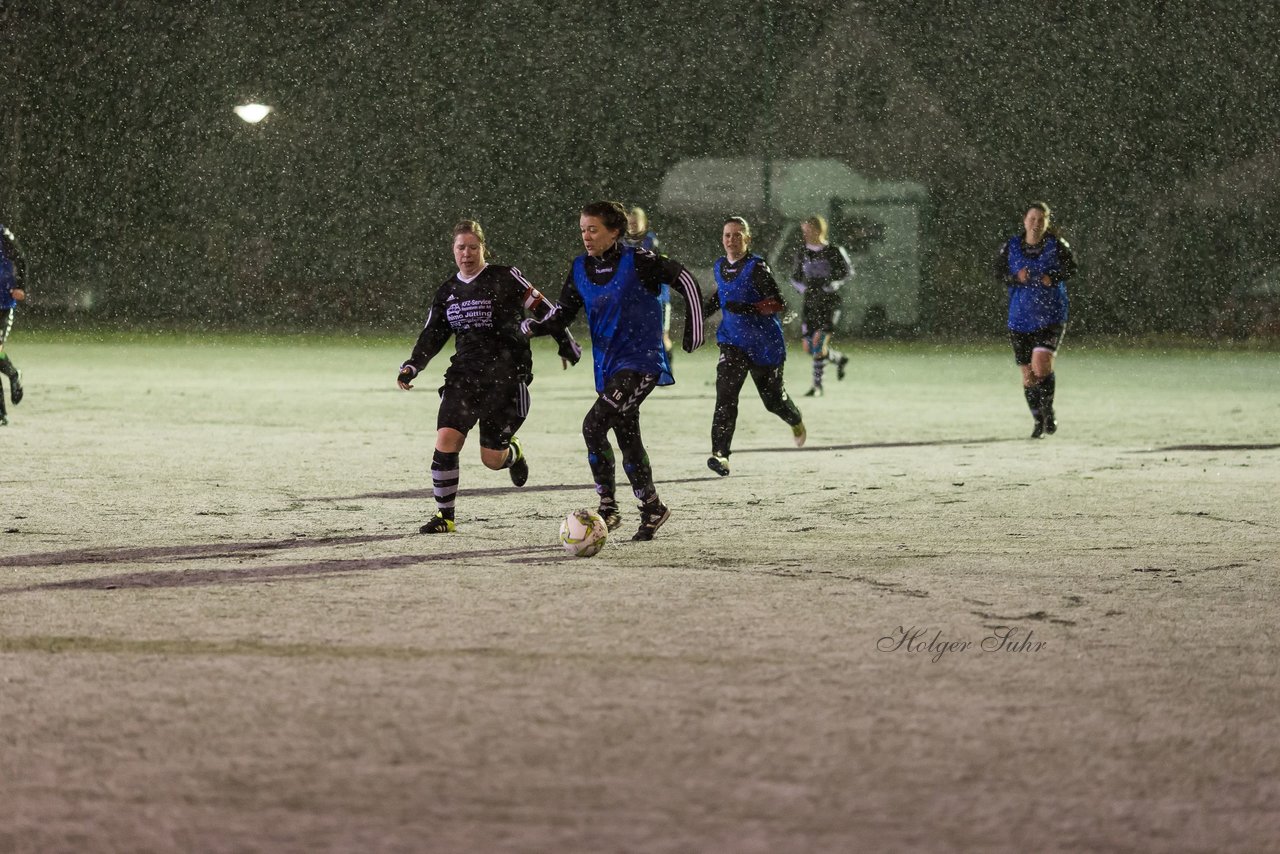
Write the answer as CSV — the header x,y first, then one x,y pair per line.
x,y
750,339
12,291
1035,266
618,286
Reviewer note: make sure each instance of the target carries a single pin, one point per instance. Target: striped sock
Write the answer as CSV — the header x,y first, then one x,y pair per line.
x,y
819,365
444,479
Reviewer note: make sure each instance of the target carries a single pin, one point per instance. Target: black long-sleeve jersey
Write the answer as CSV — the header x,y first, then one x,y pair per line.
x,y
820,270
653,270
762,281
484,316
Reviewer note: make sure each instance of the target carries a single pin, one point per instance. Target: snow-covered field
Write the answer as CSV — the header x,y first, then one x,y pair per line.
x,y
221,631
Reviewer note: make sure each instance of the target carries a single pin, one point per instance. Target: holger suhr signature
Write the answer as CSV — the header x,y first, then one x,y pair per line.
x,y
935,645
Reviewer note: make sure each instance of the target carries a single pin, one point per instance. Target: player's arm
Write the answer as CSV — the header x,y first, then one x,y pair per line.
x,y
1066,264
542,308
1001,268
11,251
712,303
561,314
530,297
655,271
435,332
797,273
841,269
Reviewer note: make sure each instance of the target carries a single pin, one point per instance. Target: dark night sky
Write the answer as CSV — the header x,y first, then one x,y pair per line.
x,y
129,176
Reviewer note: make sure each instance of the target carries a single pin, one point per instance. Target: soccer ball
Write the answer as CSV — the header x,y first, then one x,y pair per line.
x,y
583,533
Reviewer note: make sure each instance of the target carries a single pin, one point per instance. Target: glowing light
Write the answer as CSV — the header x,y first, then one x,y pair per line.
x,y
252,113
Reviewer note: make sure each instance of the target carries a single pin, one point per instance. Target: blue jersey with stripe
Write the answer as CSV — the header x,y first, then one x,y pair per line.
x,y
625,319
1034,306
8,274
759,335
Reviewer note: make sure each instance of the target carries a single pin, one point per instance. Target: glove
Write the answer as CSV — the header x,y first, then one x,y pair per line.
x,y
407,373
570,350
739,307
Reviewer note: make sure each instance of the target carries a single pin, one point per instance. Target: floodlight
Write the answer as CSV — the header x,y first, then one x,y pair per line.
x,y
252,113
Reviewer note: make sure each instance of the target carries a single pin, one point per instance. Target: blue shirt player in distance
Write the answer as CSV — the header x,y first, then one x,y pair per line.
x,y
750,339
1035,267
13,290
618,287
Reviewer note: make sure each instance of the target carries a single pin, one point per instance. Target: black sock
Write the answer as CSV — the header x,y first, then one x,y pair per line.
x,y
1032,394
603,472
1047,387
444,479
7,367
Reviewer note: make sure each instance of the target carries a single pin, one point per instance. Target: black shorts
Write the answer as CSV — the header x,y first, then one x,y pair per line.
x,y
1049,338
819,313
500,408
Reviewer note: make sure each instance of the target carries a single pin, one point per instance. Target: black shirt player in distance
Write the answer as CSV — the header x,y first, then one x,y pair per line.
x,y
487,381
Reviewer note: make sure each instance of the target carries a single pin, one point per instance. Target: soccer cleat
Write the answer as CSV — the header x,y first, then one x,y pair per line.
x,y
438,525
651,520
4,420
609,513
799,433
1038,430
1050,423
816,391
15,387
840,366
718,464
519,465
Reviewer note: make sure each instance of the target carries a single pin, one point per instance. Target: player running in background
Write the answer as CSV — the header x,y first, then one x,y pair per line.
x,y
487,382
640,236
750,339
1035,266
13,290
618,286
820,269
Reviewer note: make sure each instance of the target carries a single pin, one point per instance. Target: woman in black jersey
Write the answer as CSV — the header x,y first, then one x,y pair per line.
x,y
487,382
820,269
